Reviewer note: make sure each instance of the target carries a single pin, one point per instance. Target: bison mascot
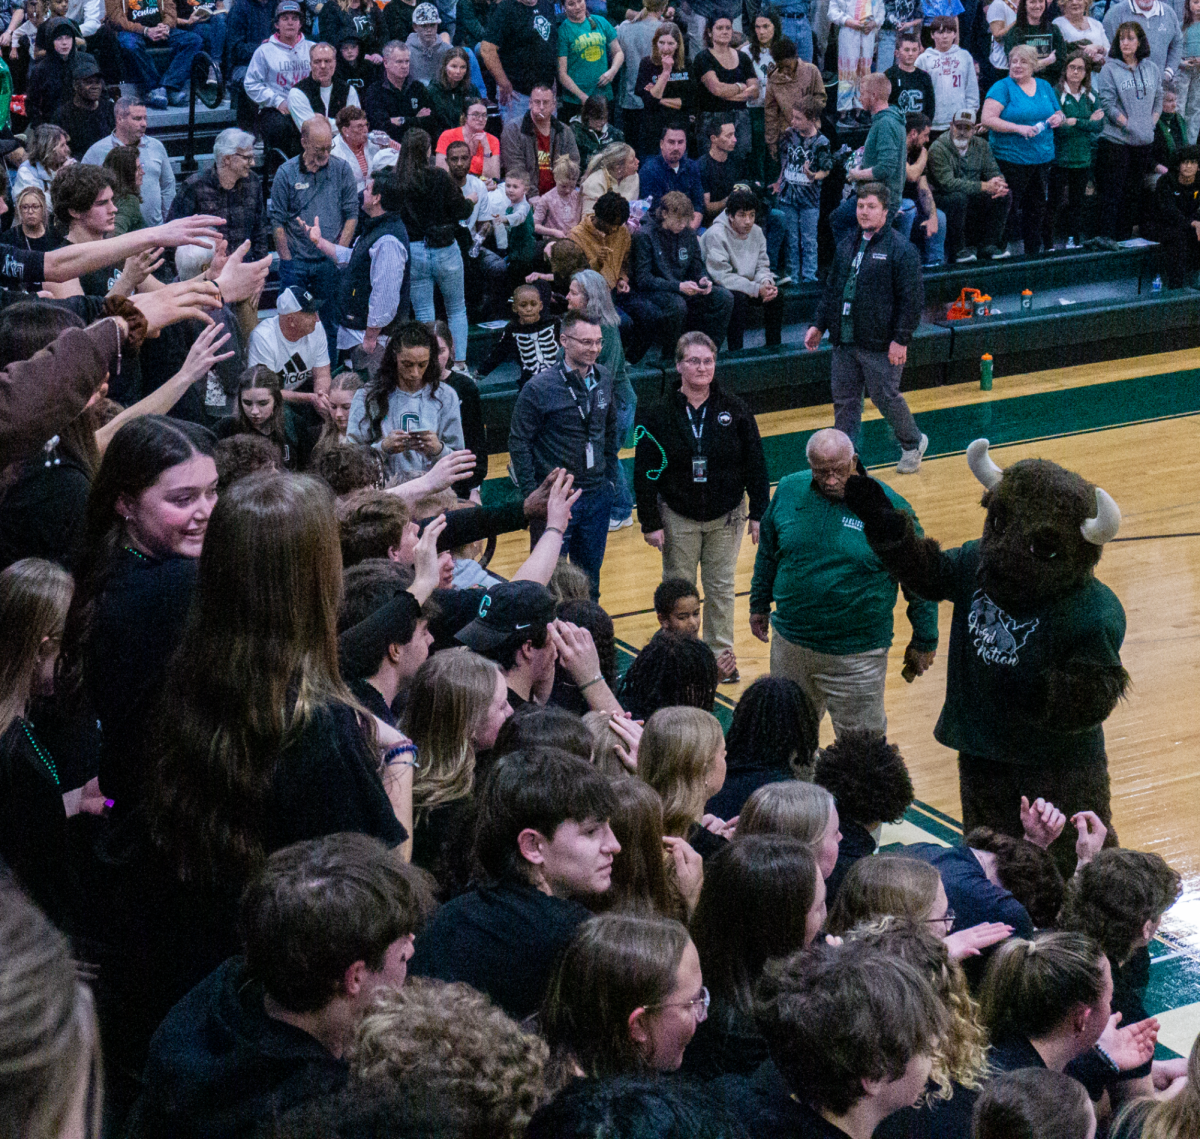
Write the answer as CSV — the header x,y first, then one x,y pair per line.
x,y
1034,666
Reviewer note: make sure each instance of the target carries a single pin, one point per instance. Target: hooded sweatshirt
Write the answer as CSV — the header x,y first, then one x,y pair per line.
x,y
1136,93
275,69
424,410
738,263
218,1064
885,152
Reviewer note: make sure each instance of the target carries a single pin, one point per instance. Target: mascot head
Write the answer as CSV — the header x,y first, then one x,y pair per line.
x,y
1044,530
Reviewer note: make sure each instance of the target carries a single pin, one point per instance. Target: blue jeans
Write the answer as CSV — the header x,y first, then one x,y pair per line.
x,y
212,32
476,70
885,49
587,532
321,279
799,31
800,238
140,69
622,506
933,249
518,104
445,267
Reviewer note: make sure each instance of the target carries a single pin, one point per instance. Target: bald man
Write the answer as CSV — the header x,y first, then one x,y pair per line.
x,y
833,598
306,187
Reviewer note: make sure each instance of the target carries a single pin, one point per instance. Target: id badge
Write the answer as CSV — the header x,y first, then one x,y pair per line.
x,y
700,469
590,452
845,308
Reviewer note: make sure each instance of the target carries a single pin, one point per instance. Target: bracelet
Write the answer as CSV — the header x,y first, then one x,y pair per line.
x,y
595,680
1112,1064
556,530
390,760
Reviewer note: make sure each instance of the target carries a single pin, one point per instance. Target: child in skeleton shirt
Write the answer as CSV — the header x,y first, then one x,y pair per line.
x,y
531,338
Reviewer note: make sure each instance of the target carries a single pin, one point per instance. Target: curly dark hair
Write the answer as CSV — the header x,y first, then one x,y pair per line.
x,y
347,467
867,776
671,590
1026,871
242,455
1115,895
670,670
773,723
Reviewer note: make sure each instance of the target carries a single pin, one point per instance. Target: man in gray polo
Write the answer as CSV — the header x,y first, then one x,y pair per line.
x,y
158,186
313,185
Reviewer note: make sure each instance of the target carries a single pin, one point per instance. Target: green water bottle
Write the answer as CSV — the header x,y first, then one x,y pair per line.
x,y
985,372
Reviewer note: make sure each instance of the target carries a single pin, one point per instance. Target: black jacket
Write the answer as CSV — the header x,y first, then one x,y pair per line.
x,y
731,445
661,259
338,95
218,1064
888,297
367,24
383,103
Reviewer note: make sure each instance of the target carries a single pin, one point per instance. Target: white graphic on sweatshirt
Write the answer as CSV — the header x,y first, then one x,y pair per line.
x,y
998,637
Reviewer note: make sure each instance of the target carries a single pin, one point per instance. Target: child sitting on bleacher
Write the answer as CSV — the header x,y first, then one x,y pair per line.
x,y
531,338
512,224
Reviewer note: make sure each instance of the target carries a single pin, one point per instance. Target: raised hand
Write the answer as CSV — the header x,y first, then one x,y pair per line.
x,y
1129,1047
451,467
562,498
629,730
971,942
240,279
427,572
689,869
1042,822
576,650
866,498
184,300
205,352
199,229
1092,833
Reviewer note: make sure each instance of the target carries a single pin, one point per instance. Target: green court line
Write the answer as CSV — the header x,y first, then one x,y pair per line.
x,y
1015,419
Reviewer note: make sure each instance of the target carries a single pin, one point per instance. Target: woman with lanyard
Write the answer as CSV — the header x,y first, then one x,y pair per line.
x,y
698,456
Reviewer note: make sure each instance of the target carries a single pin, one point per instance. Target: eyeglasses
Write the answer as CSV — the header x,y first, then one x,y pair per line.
x,y
697,1006
589,343
948,917
700,362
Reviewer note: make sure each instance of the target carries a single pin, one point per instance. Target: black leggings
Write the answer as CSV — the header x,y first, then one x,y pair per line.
x,y
1120,172
1068,187
1028,186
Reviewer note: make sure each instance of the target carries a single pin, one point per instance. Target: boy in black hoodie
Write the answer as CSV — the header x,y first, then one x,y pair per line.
x,y
50,77
671,288
326,923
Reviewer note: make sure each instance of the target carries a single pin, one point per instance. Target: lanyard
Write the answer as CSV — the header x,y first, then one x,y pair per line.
x,y
697,433
585,415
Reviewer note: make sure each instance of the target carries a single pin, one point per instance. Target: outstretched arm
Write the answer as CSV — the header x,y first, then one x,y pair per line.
x,y
915,562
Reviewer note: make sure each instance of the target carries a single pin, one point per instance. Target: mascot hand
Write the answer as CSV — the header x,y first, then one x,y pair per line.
x,y
882,522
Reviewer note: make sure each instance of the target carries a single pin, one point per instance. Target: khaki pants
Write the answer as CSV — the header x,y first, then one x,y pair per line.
x,y
714,547
850,686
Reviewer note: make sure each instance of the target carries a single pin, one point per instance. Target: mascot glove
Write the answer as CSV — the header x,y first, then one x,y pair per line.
x,y
882,522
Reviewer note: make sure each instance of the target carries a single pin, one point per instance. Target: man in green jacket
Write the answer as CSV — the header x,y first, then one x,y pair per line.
x,y
969,188
833,598
885,155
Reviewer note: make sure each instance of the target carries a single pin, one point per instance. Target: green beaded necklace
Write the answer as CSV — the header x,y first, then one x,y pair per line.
x,y
42,754
137,554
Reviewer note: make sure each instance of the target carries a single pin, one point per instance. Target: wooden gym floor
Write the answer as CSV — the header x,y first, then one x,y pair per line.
x,y
1131,426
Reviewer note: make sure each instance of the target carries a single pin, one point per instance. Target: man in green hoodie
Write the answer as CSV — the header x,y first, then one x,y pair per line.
x,y
833,598
884,157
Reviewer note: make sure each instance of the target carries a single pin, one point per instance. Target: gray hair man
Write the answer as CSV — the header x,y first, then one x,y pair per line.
x,y
833,597
158,185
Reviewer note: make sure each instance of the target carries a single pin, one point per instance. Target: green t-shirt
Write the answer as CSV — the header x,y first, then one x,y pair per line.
x,y
996,658
586,49
832,594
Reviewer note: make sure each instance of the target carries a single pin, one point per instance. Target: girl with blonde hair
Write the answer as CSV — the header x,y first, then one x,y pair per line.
x,y
456,704
614,168
682,756
802,810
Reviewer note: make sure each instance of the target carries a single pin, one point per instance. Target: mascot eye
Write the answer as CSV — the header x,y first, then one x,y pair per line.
x,y
1043,548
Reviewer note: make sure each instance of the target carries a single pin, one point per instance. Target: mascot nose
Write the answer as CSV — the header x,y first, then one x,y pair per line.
x,y
1097,530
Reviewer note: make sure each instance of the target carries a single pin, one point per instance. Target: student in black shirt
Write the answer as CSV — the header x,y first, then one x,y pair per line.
x,y
86,113
912,88
326,924
720,169
542,841
520,49
456,705
886,1018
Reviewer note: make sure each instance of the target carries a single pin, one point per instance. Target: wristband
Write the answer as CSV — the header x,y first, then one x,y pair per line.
x,y
1108,1060
556,530
391,757
595,680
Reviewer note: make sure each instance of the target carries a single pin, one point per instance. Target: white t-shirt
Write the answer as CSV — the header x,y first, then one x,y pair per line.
x,y
1095,32
999,10
293,360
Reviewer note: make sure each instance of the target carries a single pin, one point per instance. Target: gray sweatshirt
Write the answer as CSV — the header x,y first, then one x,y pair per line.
x,y
1162,30
424,410
1135,93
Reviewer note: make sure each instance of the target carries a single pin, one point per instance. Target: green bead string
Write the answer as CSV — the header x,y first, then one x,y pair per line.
x,y
137,554
43,755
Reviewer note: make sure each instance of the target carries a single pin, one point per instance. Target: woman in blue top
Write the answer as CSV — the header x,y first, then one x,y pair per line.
x,y
1021,112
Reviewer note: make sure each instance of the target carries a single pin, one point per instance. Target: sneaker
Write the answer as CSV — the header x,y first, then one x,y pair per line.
x,y
965,256
847,123
1002,253
178,97
157,99
736,678
213,78
1070,244
620,523
910,461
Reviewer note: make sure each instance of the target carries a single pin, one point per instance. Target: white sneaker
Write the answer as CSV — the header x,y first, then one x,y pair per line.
x,y
1004,251
619,523
910,461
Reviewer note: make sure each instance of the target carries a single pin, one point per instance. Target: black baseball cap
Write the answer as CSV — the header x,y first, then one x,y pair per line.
x,y
363,646
507,611
84,66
